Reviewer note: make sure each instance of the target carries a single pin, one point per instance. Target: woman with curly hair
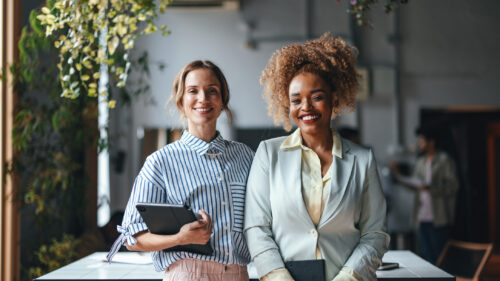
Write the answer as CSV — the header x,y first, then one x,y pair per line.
x,y
314,195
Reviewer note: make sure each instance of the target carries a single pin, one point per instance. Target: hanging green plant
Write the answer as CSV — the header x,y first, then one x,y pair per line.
x,y
55,255
52,137
78,25
359,9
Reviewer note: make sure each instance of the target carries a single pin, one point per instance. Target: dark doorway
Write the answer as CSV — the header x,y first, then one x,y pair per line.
x,y
493,150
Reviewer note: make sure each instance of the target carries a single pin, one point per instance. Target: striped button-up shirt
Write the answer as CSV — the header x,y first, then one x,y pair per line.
x,y
205,176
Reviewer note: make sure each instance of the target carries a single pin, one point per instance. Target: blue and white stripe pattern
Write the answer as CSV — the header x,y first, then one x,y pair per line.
x,y
208,176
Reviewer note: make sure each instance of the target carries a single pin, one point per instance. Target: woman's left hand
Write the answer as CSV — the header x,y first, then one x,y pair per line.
x,y
205,219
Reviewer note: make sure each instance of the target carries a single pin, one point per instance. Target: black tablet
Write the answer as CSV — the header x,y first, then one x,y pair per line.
x,y
306,270
168,219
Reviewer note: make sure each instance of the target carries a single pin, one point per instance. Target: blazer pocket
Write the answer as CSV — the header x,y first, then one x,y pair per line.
x,y
238,205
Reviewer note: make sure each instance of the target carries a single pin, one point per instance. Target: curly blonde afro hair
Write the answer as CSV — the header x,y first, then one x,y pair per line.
x,y
329,57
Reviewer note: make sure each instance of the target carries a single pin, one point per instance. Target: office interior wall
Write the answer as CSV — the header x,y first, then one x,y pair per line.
x,y
449,58
221,36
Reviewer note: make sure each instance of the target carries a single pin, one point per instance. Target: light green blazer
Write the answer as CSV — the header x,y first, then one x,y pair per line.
x,y
351,229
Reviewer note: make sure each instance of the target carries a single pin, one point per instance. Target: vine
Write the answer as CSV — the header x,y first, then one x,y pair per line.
x,y
51,137
78,24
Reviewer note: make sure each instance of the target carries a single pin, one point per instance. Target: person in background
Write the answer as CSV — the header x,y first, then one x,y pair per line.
x,y
314,195
201,170
435,181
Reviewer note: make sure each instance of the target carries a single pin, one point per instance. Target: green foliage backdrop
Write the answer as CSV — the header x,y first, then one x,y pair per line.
x,y
51,134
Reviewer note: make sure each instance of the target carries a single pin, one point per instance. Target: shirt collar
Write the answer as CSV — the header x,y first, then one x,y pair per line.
x,y
216,146
294,141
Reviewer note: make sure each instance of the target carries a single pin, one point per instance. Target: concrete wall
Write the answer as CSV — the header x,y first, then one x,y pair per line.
x,y
450,56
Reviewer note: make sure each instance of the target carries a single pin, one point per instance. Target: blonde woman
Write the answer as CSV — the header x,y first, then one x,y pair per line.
x,y
203,171
313,194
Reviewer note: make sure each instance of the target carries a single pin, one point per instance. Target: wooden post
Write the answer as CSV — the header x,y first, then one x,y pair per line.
x,y
10,13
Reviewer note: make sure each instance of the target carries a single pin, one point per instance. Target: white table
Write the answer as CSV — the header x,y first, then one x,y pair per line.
x,y
138,266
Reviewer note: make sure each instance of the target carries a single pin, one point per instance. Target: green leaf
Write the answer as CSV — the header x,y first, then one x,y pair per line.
x,y
56,121
45,10
35,23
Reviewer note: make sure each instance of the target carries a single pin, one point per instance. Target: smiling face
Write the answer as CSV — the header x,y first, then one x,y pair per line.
x,y
202,99
311,103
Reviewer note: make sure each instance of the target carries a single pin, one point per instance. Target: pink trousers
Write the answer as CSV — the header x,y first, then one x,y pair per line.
x,y
198,270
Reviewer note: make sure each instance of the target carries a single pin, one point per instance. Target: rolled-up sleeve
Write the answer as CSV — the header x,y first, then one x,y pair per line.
x,y
374,242
143,191
258,216
146,189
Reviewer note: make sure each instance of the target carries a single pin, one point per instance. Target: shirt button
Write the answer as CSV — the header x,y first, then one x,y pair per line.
x,y
314,233
219,179
224,203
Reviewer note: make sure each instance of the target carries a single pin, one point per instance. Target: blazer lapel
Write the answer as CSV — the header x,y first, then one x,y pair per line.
x,y
341,174
291,177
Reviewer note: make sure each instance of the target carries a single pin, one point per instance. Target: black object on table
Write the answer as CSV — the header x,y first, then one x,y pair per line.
x,y
306,270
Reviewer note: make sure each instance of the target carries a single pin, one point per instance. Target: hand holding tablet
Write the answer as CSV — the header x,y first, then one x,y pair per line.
x,y
197,232
169,219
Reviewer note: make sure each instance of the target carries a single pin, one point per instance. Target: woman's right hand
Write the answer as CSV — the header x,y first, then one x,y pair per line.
x,y
197,232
